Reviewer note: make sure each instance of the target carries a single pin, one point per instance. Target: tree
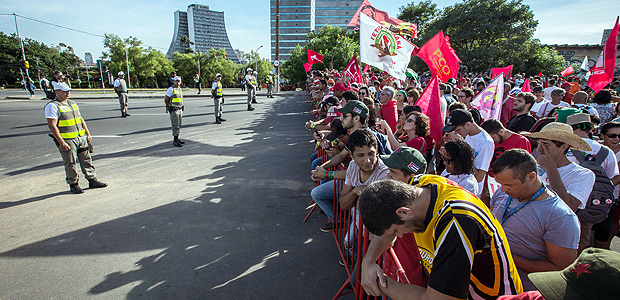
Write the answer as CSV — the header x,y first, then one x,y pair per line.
x,y
486,34
212,62
258,64
331,42
420,14
185,42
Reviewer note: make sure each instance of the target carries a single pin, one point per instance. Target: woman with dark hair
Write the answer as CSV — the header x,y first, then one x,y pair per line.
x,y
604,106
458,157
401,100
412,95
363,92
417,126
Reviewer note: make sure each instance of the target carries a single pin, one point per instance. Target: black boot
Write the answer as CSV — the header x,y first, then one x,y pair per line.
x,y
75,188
250,108
222,119
217,120
176,142
127,114
94,183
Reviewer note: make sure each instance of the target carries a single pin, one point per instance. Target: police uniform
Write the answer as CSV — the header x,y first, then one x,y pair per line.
x,y
74,133
256,86
250,87
121,89
218,99
269,85
174,106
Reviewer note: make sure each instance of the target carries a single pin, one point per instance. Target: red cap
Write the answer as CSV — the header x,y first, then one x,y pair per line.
x,y
339,86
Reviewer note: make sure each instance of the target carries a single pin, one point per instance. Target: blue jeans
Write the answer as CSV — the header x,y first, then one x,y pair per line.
x,y
314,156
323,195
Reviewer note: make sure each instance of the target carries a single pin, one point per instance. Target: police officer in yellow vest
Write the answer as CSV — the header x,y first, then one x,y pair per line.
x,y
72,138
120,87
250,87
174,106
218,98
270,85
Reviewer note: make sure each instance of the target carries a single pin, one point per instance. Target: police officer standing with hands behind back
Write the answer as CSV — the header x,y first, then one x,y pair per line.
x,y
270,85
218,98
120,87
250,86
174,106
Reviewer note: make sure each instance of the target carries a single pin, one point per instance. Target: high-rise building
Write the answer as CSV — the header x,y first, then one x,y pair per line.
x,y
299,17
205,29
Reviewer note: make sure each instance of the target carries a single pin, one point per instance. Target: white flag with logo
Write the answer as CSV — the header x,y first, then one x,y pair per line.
x,y
584,64
384,49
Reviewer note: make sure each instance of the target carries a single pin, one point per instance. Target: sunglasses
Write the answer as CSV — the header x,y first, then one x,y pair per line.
x,y
612,136
409,120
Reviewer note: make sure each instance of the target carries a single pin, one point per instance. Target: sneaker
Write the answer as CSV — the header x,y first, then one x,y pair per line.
x,y
94,183
75,188
328,227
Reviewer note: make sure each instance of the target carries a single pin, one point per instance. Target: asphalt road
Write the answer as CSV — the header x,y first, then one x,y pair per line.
x,y
220,218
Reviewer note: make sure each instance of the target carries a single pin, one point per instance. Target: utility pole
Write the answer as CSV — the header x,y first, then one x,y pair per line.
x,y
277,81
101,74
127,60
199,74
21,46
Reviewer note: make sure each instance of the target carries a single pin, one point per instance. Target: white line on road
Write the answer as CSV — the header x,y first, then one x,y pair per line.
x,y
106,136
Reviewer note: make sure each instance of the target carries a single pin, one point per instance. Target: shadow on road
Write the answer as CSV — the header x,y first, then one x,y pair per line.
x,y
241,238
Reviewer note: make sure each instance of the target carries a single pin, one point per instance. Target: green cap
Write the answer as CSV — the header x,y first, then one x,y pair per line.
x,y
565,112
355,107
406,158
594,275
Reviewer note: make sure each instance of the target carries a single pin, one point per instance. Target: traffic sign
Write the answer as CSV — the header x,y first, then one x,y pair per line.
x,y
276,63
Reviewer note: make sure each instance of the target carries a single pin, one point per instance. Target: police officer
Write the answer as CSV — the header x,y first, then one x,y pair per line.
x,y
174,106
120,87
250,86
256,84
72,137
218,98
270,85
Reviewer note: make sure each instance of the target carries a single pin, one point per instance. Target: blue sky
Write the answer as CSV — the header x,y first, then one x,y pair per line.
x,y
247,21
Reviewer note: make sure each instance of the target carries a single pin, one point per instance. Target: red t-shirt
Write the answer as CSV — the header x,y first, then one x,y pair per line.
x,y
507,111
514,141
389,113
417,143
408,255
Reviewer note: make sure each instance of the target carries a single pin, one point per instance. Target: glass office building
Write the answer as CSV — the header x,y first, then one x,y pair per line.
x,y
299,17
205,28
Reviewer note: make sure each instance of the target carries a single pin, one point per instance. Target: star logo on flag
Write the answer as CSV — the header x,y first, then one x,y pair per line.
x,y
580,269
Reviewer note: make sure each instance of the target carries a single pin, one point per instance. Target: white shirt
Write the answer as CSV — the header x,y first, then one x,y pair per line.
x,y
214,86
52,112
617,188
547,107
170,91
466,181
536,106
483,146
590,109
117,82
577,180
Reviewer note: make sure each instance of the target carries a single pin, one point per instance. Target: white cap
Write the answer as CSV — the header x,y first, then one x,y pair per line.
x,y
249,70
121,73
218,75
61,86
255,72
270,72
177,78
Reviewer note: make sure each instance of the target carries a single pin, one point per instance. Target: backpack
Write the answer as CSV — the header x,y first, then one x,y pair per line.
x,y
602,197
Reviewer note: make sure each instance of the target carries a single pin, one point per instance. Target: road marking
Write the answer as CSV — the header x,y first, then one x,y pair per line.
x,y
106,136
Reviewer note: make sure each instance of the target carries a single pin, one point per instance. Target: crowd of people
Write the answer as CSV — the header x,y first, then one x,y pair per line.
x,y
515,207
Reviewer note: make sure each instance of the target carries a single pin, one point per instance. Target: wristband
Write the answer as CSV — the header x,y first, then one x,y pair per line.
x,y
313,125
331,174
325,174
318,144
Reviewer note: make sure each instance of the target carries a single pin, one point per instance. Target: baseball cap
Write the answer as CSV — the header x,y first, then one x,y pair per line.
x,y
565,113
121,73
339,86
337,130
218,75
457,117
330,100
355,107
61,86
177,78
406,158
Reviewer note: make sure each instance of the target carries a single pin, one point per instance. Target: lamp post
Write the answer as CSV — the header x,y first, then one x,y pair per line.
x,y
256,67
127,60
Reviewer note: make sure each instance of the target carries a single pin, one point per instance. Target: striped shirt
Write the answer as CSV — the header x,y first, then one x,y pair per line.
x,y
464,249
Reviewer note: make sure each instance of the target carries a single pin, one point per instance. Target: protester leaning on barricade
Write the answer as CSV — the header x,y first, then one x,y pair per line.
x,y
543,232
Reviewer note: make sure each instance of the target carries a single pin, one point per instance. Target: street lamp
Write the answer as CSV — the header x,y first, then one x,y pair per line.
x,y
127,60
256,67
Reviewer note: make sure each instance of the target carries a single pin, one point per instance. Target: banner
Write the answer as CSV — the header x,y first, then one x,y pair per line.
x,y
539,74
526,86
314,57
440,57
584,64
567,71
489,101
383,49
507,71
603,71
353,70
430,104
395,25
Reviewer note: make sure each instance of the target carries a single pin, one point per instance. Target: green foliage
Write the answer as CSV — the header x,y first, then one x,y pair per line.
x,y
331,42
485,34
49,59
147,67
259,65
211,63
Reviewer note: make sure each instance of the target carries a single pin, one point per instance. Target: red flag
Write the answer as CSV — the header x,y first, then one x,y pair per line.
x,y
567,71
353,70
307,67
507,71
430,104
526,86
440,57
603,71
314,57
395,25
539,74
366,68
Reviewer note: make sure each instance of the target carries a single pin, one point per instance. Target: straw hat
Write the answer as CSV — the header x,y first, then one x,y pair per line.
x,y
560,132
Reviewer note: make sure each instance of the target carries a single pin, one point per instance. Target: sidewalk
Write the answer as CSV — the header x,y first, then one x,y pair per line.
x,y
18,94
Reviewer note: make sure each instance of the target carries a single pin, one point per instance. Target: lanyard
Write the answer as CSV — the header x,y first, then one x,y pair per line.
x,y
508,214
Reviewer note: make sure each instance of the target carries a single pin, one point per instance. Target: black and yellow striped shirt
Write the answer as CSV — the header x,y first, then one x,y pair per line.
x,y
464,248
